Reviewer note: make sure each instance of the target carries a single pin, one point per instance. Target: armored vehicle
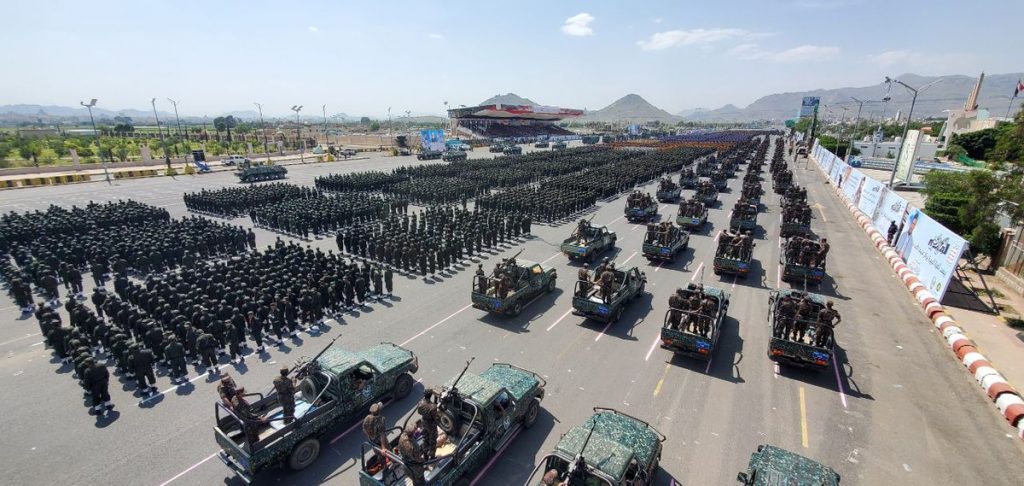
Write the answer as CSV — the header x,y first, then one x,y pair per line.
x,y
252,172
429,155
479,415
592,301
335,387
609,449
694,331
454,156
526,280
771,465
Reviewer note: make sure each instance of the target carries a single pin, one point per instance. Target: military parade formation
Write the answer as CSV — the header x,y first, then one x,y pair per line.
x,y
170,294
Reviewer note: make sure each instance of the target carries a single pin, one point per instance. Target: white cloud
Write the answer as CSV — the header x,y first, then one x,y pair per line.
x,y
435,35
753,52
313,28
656,20
673,38
578,25
889,58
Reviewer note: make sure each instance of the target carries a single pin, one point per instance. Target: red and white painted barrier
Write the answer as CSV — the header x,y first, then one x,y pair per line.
x,y
1007,399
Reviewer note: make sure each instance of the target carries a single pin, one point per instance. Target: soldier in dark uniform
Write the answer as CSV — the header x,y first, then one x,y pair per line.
x,y
676,303
97,380
412,455
207,346
828,319
389,279
250,421
583,275
803,315
174,352
481,279
142,363
375,429
226,389
787,312
428,417
285,386
607,280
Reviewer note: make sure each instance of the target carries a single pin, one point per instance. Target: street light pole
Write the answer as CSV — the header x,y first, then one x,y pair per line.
x,y
177,120
856,121
263,128
96,133
327,139
167,154
298,133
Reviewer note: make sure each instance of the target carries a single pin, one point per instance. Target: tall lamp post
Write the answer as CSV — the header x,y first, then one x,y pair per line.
x,y
327,139
298,132
178,120
910,114
167,154
96,133
860,106
263,128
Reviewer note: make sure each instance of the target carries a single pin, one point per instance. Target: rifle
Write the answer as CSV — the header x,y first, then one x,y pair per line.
x,y
452,389
579,462
299,366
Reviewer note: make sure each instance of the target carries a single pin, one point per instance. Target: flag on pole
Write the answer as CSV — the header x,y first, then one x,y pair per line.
x,y
1020,87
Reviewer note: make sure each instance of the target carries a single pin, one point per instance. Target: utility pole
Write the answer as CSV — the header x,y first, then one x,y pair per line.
x,y
298,133
910,114
167,154
263,128
327,139
177,120
391,131
96,133
856,121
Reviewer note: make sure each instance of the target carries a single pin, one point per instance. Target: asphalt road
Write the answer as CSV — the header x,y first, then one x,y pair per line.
x,y
896,409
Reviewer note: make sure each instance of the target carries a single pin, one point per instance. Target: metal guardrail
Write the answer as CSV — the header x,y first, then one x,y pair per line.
x,y
920,167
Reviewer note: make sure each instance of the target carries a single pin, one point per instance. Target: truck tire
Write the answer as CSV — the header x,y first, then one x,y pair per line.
x,y
516,309
304,454
551,286
531,414
308,389
616,315
448,422
403,386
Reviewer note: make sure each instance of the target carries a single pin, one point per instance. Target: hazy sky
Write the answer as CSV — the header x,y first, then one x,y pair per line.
x,y
362,57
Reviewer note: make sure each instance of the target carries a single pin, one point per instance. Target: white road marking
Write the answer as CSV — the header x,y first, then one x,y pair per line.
x,y
552,326
606,326
200,463
653,345
657,266
842,393
614,220
442,321
696,272
630,258
550,257
19,338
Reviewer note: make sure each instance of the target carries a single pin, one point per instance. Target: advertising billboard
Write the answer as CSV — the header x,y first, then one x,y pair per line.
x,y
808,106
432,140
853,184
905,162
891,208
930,250
868,197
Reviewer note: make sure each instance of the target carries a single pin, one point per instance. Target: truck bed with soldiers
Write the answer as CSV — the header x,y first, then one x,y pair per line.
x,y
719,179
604,298
804,260
257,432
782,180
706,167
692,214
693,322
752,192
743,216
511,286
802,326
734,253
707,193
663,241
688,178
587,241
640,207
477,415
668,190
796,219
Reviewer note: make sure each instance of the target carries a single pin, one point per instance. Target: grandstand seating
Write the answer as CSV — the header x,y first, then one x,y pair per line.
x,y
500,130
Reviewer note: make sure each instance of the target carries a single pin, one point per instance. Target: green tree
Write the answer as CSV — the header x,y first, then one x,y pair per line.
x,y
58,147
374,126
977,144
967,203
31,151
121,151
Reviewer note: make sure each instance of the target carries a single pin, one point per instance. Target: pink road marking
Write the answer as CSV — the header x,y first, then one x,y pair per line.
x,y
835,367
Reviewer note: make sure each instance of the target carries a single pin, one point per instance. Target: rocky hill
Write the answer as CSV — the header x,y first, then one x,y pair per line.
x,y
508,99
631,108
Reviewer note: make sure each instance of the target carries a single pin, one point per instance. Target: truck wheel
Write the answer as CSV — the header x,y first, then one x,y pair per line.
x,y
616,315
304,454
308,389
447,422
516,309
403,386
551,286
531,413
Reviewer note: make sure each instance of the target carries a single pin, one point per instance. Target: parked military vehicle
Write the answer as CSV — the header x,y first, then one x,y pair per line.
x,y
771,466
335,387
732,258
526,281
590,139
610,449
706,167
429,155
692,214
496,148
454,156
479,415
664,241
744,216
694,332
796,220
592,302
588,241
668,191
558,146
788,344
257,172
707,192
542,144
640,207
512,150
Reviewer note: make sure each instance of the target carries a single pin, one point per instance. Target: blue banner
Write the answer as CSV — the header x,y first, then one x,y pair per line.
x,y
432,140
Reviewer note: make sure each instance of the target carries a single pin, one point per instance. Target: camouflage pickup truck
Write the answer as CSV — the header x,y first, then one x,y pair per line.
x,y
558,146
496,148
771,466
789,347
336,386
541,144
609,449
682,330
587,300
668,191
692,215
529,280
479,415
664,246
744,216
587,242
707,193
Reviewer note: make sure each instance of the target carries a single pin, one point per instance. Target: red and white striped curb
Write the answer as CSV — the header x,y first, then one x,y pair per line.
x,y
1008,400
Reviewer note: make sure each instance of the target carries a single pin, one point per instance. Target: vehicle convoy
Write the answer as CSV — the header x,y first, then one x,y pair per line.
x,y
804,260
640,207
558,146
517,284
706,167
720,179
744,216
663,241
692,214
479,415
771,466
335,386
257,172
800,337
694,320
687,178
454,156
428,154
752,192
734,253
668,191
512,150
707,193
796,219
604,300
609,449
588,241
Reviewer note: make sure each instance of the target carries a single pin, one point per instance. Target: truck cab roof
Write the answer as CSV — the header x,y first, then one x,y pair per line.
x,y
382,358
771,466
617,441
483,388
